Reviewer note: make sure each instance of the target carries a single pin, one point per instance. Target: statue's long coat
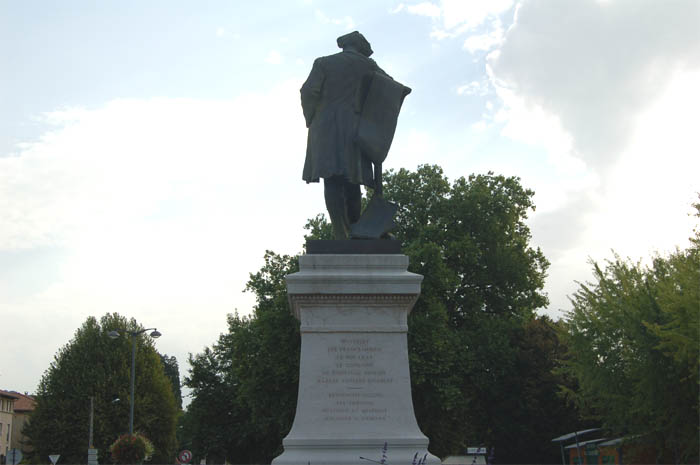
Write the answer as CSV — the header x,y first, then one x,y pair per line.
x,y
328,98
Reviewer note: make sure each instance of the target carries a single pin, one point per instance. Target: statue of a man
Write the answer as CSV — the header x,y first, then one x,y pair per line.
x,y
329,99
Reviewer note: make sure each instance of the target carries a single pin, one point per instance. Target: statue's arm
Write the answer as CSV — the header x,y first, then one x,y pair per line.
x,y
311,92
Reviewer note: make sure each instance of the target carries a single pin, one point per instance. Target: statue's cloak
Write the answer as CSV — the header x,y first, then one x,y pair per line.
x,y
380,99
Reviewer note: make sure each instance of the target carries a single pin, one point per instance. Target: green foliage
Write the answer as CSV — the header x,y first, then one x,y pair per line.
x,y
483,283
536,412
634,334
134,448
473,234
92,364
172,371
475,355
319,228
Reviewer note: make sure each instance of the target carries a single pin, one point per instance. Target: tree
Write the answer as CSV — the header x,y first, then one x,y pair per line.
x,y
634,334
172,371
483,283
214,424
92,364
538,411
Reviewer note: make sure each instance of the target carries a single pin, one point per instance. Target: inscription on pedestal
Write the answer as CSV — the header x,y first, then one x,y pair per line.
x,y
350,378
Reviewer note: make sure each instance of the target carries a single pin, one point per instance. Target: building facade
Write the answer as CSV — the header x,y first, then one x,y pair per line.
x,y
24,405
7,409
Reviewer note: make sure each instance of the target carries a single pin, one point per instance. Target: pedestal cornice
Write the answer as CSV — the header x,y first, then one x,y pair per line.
x,y
378,275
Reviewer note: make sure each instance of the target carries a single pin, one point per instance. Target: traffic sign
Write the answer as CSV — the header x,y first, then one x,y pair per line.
x,y
184,456
54,458
14,456
92,457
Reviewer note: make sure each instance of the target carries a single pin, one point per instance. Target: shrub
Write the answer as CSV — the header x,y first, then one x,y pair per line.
x,y
131,449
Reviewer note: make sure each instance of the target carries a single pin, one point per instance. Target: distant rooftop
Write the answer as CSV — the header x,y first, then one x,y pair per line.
x,y
24,402
581,444
566,437
8,394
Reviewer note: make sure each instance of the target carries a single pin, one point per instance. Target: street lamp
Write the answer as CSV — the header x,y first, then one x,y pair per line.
x,y
115,334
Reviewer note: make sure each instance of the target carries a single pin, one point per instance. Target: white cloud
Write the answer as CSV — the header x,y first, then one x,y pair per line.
x,y
137,162
428,9
657,172
222,32
597,66
452,18
409,148
161,208
480,88
472,14
532,125
563,84
345,22
479,126
608,91
274,57
398,8
485,42
643,207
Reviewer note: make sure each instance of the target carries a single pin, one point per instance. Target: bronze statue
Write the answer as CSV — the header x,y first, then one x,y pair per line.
x,y
350,105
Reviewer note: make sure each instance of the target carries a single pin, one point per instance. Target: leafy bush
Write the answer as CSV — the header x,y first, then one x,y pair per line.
x,y
131,449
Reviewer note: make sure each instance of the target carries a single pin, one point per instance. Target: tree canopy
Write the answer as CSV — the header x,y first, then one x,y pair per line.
x,y
474,367
634,338
93,364
172,371
474,354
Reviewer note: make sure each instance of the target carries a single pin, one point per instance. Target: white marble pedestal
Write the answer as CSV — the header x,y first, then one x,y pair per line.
x,y
354,385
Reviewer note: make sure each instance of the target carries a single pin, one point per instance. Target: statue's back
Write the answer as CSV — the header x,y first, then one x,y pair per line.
x,y
331,90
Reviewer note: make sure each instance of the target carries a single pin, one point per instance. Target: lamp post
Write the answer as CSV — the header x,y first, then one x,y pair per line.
x,y
115,334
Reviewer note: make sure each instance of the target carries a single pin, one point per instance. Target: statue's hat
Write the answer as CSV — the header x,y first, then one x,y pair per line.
x,y
358,40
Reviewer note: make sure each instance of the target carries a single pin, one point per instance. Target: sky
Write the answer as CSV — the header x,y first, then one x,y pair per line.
x,y
150,152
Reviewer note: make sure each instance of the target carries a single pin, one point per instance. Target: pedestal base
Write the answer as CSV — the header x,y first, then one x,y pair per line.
x,y
354,453
354,384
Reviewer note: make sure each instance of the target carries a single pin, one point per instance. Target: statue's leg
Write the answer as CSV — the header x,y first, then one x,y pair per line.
x,y
353,201
333,190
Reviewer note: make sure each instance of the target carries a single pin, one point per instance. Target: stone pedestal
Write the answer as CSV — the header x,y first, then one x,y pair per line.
x,y
354,385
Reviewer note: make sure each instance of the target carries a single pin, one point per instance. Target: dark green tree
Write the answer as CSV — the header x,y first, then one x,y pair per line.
x,y
92,364
483,283
634,338
536,412
172,371
213,426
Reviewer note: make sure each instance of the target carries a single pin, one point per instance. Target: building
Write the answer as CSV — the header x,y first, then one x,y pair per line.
x,y
24,405
589,453
631,450
7,408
